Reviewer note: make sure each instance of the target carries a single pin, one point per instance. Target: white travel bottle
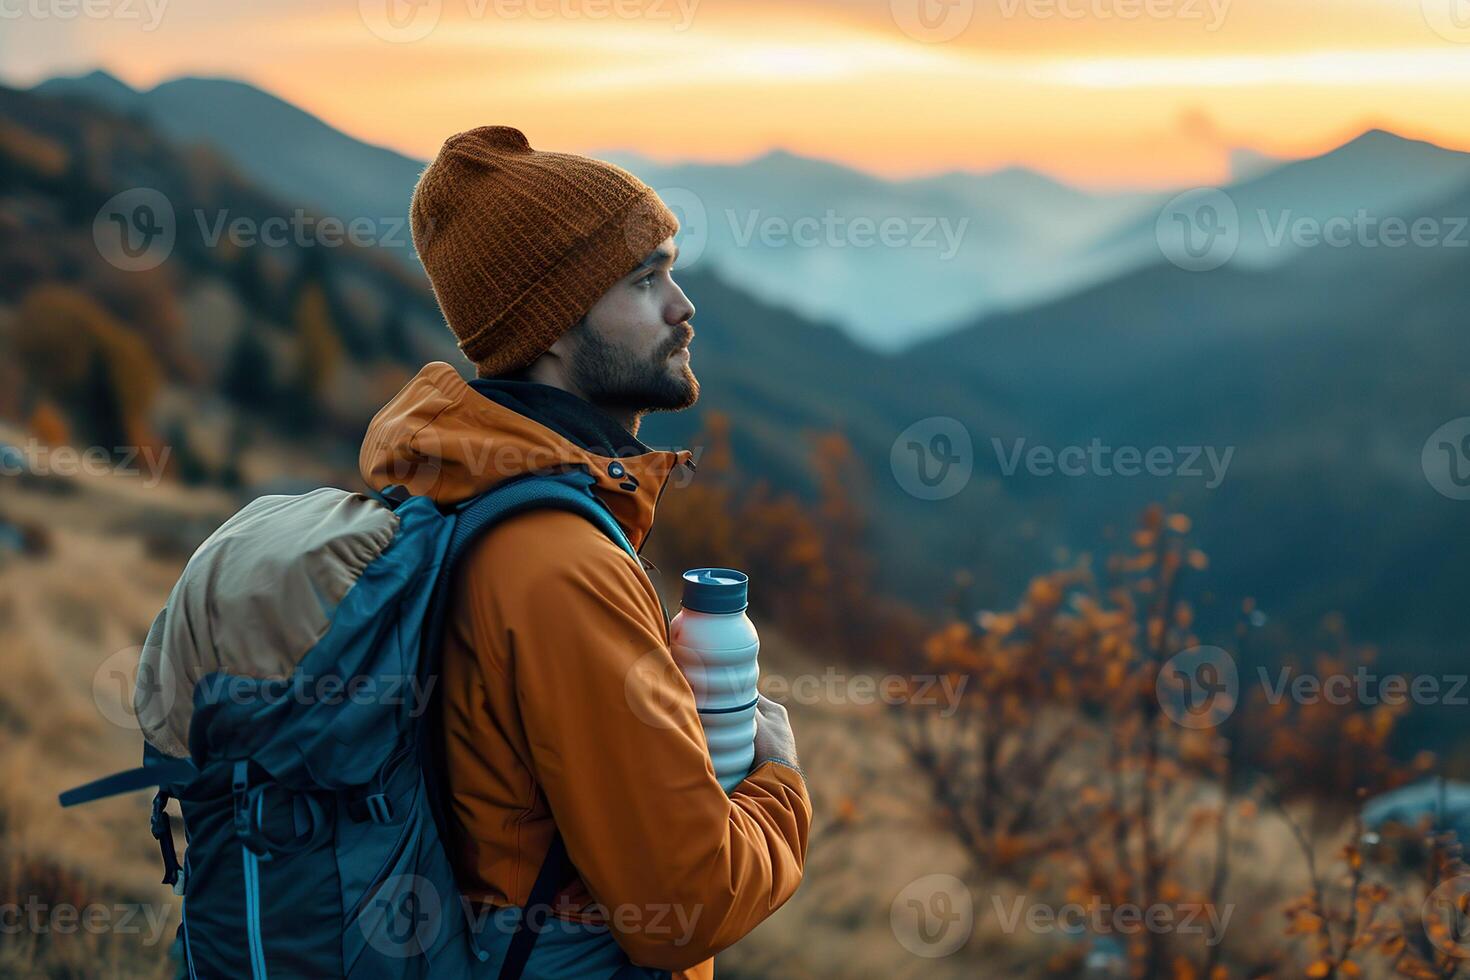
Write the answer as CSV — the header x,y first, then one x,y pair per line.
x,y
716,646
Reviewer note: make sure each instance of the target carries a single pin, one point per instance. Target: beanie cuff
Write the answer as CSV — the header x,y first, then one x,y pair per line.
x,y
533,321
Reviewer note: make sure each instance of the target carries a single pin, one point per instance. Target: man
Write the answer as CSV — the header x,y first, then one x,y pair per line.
x,y
563,710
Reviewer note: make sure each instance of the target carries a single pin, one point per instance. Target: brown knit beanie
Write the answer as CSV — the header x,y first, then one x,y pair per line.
x,y
520,243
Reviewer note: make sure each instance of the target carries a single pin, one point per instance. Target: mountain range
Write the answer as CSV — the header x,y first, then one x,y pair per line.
x,y
788,227
810,233
1315,373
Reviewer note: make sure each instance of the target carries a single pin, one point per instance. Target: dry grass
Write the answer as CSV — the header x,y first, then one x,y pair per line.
x,y
64,614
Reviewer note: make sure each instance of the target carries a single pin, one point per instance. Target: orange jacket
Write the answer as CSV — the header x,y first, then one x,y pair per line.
x,y
561,699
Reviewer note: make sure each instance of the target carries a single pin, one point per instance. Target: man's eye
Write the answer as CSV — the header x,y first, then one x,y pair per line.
x,y
647,279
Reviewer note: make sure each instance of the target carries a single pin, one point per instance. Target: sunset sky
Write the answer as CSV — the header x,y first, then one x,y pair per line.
x,y
1100,93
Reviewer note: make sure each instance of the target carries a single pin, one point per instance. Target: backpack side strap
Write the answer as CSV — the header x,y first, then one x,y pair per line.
x,y
129,780
555,872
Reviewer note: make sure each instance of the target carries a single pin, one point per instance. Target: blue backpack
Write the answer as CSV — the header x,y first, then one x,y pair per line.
x,y
285,696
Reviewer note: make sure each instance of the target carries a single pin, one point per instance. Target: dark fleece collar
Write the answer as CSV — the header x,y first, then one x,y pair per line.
x,y
579,422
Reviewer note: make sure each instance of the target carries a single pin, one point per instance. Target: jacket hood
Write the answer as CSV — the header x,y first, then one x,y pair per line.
x,y
439,437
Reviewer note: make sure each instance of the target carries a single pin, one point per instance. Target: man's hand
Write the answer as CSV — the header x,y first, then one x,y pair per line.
x,y
773,737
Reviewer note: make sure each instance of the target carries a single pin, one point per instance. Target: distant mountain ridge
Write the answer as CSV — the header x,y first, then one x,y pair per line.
x,y
803,231
282,148
1323,372
966,242
1378,174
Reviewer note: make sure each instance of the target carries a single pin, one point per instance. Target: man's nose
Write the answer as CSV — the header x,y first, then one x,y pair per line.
x,y
679,310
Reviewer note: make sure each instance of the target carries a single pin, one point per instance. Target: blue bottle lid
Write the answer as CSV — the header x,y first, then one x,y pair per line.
x,y
715,590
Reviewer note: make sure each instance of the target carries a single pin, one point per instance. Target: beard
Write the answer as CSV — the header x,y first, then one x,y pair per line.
x,y
610,375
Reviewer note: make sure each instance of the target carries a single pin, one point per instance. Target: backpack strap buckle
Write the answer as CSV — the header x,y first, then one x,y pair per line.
x,y
163,832
372,802
158,819
378,807
308,824
240,791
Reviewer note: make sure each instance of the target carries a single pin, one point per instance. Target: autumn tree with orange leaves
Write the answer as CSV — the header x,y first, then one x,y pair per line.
x,y
1065,768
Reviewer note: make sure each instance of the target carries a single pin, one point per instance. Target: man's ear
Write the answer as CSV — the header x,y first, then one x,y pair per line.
x,y
566,343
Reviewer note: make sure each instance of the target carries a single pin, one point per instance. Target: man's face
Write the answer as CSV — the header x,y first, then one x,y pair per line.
x,y
632,349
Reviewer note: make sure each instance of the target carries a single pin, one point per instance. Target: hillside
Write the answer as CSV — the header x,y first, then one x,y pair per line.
x,y
783,226
270,361
1325,374
1322,376
76,611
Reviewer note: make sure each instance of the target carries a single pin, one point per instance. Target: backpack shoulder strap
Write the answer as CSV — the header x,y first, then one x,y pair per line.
x,y
571,491
567,491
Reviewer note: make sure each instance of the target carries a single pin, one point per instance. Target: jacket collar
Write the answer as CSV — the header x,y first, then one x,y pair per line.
x,y
574,419
442,438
